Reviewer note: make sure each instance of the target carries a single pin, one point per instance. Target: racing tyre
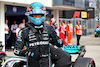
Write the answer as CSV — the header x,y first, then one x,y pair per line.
x,y
84,62
2,57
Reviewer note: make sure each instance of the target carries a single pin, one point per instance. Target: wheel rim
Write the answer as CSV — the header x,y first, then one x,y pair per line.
x,y
92,64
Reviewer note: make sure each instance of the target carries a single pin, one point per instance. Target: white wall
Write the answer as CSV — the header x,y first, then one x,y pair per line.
x,y
2,18
47,3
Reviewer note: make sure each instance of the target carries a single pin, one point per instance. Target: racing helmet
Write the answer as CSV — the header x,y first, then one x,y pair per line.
x,y
36,13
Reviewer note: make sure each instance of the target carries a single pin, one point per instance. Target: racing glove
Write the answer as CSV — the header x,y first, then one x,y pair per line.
x,y
60,43
30,54
24,52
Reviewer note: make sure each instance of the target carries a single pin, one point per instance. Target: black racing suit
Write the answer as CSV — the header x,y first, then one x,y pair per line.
x,y
37,42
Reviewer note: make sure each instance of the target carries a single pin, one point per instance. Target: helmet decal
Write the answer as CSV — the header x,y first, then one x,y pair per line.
x,y
43,8
29,9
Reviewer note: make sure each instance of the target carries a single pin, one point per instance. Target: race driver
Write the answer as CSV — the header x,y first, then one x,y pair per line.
x,y
37,36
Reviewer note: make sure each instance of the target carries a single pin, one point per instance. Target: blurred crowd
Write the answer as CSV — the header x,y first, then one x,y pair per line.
x,y
11,32
66,30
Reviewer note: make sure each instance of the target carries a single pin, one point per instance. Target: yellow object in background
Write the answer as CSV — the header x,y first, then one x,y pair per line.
x,y
83,14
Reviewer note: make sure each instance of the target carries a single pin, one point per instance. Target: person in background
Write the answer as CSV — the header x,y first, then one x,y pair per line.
x,y
62,33
6,31
17,30
47,22
52,21
23,23
65,27
54,24
78,29
13,29
69,30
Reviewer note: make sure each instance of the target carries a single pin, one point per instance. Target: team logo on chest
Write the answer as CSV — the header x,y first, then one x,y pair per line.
x,y
31,36
45,35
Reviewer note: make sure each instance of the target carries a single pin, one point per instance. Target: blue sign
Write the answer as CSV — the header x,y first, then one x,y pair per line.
x,y
49,12
15,9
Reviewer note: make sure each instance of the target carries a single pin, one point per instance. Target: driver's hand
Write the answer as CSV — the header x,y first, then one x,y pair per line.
x,y
60,43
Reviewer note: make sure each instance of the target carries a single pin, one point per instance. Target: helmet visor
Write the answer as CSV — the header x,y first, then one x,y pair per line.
x,y
37,11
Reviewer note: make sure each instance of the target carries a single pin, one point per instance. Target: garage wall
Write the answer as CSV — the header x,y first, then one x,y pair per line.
x,y
47,3
2,24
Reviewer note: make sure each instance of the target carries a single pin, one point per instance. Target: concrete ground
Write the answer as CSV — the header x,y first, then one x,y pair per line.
x,y
94,52
87,40
92,46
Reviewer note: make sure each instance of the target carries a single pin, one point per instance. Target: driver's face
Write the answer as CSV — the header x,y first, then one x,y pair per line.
x,y
36,15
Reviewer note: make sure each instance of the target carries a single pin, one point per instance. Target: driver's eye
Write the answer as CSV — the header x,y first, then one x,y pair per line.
x,y
36,15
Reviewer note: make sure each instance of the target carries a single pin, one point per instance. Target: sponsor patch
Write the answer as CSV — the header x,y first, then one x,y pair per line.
x,y
39,43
